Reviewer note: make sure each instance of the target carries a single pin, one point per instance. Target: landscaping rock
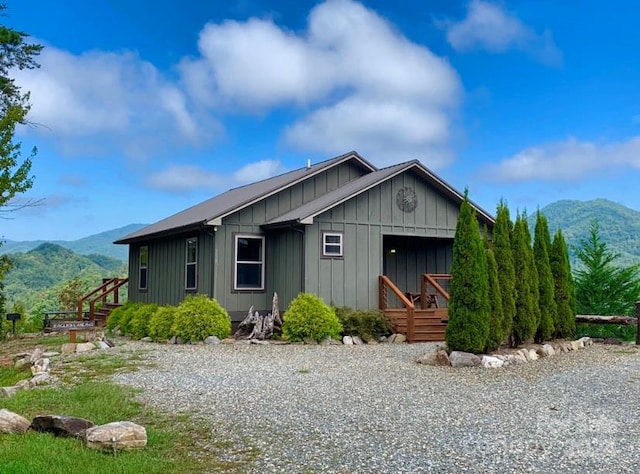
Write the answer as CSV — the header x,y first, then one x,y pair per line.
x,y
399,339
546,350
8,392
212,340
491,362
228,340
463,359
586,341
85,347
40,379
11,423
146,339
68,348
372,342
310,341
36,354
23,385
116,436
347,341
21,362
103,345
259,342
61,425
41,366
357,341
437,358
330,342
577,345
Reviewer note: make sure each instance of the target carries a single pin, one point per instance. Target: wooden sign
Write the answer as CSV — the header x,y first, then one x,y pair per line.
x,y
72,325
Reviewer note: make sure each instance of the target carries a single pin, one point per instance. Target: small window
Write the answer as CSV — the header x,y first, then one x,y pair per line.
x,y
191,269
249,262
332,244
144,263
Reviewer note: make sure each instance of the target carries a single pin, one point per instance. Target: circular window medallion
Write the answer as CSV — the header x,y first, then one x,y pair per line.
x,y
406,199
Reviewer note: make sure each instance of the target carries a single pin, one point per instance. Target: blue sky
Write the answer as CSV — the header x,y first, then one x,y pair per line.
x,y
141,109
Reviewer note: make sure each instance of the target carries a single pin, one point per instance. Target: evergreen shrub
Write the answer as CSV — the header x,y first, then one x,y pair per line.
x,y
161,323
120,314
199,317
367,325
140,317
309,316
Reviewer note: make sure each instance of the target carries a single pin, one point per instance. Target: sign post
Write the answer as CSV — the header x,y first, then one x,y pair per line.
x,y
13,317
73,326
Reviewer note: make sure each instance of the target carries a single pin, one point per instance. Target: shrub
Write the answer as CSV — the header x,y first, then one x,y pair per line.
x,y
367,325
123,315
309,316
161,322
140,317
113,320
199,317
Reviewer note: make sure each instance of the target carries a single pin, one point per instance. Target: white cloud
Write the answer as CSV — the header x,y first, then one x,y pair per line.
x,y
182,179
101,94
570,160
257,171
491,27
347,65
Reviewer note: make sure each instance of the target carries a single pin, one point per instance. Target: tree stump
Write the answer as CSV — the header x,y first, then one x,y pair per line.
x,y
257,326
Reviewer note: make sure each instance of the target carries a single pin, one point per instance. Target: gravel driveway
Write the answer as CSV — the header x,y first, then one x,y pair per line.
x,y
372,409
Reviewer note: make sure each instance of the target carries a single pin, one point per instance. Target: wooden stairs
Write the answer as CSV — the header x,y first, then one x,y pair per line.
x,y
108,297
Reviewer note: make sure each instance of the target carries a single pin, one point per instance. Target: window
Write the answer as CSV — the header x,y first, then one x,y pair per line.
x,y
191,270
144,263
332,244
249,262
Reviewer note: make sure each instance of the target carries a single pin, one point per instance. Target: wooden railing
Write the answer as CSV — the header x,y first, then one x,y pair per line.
x,y
109,287
385,284
428,283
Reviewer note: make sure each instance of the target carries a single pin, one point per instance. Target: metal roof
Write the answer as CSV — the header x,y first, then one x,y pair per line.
x,y
213,210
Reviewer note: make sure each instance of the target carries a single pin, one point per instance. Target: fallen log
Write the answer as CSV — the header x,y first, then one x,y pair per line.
x,y
591,318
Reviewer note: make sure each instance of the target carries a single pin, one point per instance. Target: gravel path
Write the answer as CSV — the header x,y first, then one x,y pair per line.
x,y
372,409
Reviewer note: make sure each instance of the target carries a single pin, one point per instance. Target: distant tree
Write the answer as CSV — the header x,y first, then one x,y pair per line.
x,y
70,293
547,302
468,326
503,253
525,322
601,286
565,325
496,316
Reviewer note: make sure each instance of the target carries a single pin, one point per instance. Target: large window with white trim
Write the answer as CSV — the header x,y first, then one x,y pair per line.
x,y
248,262
332,245
191,269
142,267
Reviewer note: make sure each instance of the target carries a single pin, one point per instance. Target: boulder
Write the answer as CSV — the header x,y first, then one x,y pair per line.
x,y
68,348
8,392
23,385
328,341
491,362
347,341
516,358
228,340
12,422
546,350
463,359
61,425
85,347
40,379
357,341
119,435
212,340
586,341
103,345
21,362
36,354
577,345
436,358
399,339
41,366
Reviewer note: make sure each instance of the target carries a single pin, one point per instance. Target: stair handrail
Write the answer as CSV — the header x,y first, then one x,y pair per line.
x,y
384,283
102,292
430,279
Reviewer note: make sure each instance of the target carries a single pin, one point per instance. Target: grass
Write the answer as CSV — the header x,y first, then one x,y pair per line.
x,y
177,443
622,332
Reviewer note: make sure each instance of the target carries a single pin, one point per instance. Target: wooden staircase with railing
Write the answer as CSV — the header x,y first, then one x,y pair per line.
x,y
421,317
108,295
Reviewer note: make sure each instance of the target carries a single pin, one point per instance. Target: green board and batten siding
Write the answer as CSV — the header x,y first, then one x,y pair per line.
x,y
166,269
365,220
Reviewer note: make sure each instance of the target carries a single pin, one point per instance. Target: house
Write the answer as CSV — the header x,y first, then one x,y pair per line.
x,y
332,228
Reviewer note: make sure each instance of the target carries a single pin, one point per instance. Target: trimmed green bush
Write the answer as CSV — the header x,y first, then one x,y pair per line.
x,y
563,287
161,322
547,301
309,316
139,325
117,315
367,325
199,317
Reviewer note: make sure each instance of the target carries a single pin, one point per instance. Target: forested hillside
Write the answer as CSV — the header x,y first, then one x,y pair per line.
x,y
38,275
101,243
619,225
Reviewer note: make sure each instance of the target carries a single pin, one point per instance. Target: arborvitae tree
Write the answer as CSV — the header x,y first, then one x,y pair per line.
x,y
525,320
496,316
504,258
533,275
468,327
602,287
562,287
547,302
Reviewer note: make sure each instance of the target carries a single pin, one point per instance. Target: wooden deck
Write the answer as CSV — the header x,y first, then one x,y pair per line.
x,y
421,317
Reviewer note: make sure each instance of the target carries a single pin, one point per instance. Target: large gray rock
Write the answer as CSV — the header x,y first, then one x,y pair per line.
x,y
36,354
11,423
546,350
437,358
61,425
41,366
116,436
68,348
491,362
8,392
357,341
347,341
22,362
463,359
212,340
40,379
399,339
85,347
